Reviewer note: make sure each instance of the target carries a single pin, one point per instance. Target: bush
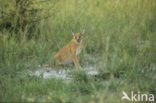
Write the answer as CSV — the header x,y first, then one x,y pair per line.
x,y
18,16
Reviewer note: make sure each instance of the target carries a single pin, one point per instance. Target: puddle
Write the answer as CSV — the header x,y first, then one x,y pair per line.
x,y
61,73
51,73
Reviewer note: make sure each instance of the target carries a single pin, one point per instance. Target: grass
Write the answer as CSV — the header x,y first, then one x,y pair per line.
x,y
120,37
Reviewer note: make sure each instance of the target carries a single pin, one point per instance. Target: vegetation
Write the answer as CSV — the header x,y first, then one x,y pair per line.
x,y
120,37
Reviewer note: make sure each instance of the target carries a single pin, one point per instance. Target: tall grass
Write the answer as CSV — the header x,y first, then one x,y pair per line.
x,y
120,35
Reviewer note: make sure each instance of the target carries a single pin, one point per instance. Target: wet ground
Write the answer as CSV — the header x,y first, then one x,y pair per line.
x,y
61,73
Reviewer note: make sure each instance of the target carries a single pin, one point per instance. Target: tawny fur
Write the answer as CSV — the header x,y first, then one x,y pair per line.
x,y
70,51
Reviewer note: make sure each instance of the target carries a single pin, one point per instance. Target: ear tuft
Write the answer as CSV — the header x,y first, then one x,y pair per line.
x,y
73,32
83,31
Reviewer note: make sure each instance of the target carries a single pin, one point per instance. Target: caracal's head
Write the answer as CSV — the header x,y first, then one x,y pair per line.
x,y
78,36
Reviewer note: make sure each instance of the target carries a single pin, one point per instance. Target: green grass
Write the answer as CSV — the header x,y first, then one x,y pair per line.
x,y
119,36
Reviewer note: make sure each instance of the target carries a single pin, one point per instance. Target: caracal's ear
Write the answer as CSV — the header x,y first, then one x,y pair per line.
x,y
73,32
83,31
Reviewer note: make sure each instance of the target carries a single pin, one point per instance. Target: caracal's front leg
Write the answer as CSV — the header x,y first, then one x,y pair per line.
x,y
75,60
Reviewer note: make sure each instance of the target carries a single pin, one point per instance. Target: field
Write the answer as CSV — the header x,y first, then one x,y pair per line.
x,y
119,40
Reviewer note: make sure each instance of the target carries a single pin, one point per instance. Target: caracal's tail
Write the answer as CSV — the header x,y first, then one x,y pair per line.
x,y
51,64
